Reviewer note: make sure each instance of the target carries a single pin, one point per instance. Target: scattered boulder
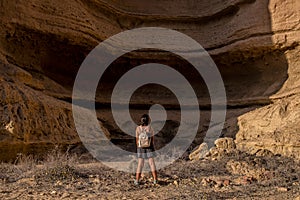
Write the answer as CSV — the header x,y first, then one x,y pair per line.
x,y
223,146
225,143
215,182
251,170
200,152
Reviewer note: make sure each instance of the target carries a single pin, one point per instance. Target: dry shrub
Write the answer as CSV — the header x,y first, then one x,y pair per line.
x,y
58,158
58,166
23,166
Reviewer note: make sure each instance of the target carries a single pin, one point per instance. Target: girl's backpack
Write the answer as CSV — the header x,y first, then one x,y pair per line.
x,y
144,138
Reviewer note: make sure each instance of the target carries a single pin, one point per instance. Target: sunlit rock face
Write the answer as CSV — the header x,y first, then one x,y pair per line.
x,y
255,45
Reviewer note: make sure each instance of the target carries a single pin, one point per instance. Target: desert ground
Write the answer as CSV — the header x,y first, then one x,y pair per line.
x,y
234,175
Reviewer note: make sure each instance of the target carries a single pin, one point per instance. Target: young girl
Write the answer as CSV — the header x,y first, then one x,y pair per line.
x,y
145,152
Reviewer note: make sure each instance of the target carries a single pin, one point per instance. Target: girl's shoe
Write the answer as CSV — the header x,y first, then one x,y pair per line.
x,y
136,182
155,182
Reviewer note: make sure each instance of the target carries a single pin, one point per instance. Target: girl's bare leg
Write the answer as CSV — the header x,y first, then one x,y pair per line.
x,y
139,168
153,168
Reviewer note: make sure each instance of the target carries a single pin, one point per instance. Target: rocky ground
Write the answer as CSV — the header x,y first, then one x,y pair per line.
x,y
235,175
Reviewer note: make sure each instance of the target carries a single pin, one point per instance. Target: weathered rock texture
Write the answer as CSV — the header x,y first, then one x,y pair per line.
x,y
276,127
254,43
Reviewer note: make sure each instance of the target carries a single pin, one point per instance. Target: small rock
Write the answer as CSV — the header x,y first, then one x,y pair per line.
x,y
225,143
226,182
219,184
249,179
94,180
213,153
174,176
65,195
53,192
58,183
176,183
282,189
207,182
245,180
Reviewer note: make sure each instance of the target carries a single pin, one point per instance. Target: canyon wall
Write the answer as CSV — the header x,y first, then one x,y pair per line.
x,y
255,45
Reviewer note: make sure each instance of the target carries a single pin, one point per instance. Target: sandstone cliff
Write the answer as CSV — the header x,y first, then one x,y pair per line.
x,y
255,45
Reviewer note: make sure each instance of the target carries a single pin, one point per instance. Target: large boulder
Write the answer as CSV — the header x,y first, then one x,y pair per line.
x,y
223,146
274,128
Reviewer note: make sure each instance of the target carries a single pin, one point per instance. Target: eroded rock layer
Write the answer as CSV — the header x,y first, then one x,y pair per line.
x,y
255,45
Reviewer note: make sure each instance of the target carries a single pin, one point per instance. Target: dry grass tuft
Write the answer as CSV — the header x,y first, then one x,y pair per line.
x,y
56,165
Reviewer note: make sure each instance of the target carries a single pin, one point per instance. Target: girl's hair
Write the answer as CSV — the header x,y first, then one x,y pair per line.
x,y
145,120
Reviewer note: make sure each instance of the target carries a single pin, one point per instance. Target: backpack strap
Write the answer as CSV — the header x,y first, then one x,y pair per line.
x,y
149,129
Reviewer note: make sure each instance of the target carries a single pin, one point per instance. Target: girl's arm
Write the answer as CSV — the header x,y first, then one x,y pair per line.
x,y
152,137
137,136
